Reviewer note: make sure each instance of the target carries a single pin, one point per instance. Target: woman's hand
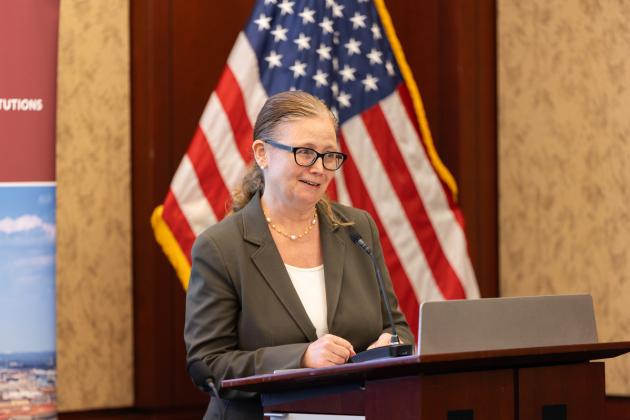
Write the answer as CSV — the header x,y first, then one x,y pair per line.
x,y
328,350
383,340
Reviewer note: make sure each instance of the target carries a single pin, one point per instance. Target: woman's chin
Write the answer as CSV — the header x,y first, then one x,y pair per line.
x,y
310,196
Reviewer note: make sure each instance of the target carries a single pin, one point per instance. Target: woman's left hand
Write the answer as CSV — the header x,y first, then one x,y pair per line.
x,y
383,340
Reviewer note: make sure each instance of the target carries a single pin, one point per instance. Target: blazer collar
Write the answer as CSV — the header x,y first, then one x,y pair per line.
x,y
334,255
268,261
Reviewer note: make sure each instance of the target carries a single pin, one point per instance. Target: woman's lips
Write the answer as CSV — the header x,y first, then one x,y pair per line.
x,y
310,183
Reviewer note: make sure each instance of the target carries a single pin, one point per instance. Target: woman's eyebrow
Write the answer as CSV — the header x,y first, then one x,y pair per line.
x,y
327,148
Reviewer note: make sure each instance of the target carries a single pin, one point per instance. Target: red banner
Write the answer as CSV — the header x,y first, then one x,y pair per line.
x,y
28,80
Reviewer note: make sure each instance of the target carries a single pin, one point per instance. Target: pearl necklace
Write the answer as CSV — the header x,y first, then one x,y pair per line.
x,y
292,236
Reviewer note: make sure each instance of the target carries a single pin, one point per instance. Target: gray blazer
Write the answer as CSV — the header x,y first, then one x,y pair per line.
x,y
244,317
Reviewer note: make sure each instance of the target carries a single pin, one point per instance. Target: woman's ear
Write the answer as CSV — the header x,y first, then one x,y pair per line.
x,y
260,154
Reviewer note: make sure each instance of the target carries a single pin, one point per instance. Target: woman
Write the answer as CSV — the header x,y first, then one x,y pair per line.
x,y
278,284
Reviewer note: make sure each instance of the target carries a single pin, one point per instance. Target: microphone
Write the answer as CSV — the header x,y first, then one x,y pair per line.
x,y
202,377
396,348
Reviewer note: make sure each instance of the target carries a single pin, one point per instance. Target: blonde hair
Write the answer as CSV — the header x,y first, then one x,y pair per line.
x,y
280,108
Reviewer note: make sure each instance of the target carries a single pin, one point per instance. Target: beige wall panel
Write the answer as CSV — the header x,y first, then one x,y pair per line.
x,y
564,157
94,306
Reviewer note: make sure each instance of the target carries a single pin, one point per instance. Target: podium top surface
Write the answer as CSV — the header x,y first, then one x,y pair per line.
x,y
427,364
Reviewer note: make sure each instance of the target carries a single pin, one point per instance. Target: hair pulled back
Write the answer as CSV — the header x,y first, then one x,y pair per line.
x,y
280,108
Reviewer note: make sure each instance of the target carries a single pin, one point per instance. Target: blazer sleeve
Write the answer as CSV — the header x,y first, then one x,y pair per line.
x,y
211,324
402,327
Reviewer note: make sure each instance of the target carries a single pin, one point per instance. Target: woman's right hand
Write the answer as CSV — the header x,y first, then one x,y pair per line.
x,y
328,350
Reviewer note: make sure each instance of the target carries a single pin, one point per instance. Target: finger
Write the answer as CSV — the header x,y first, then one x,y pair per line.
x,y
339,351
382,341
378,343
336,359
342,342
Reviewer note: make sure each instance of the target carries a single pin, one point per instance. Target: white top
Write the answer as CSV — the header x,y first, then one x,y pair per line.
x,y
311,288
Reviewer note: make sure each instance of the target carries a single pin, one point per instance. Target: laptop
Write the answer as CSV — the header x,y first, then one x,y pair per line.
x,y
456,326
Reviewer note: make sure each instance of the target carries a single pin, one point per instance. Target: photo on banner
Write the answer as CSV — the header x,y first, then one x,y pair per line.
x,y
27,301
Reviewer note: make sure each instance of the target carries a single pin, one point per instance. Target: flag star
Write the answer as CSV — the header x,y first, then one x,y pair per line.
x,y
274,59
320,78
303,42
337,10
298,68
307,15
358,20
286,7
347,73
324,52
353,46
326,26
270,1
336,38
344,99
376,31
335,63
279,34
390,68
334,87
370,82
375,56
263,22
330,3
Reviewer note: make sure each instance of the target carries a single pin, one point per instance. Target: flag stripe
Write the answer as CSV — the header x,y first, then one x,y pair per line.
x,y
178,224
340,182
408,107
206,168
458,255
244,65
442,219
331,191
216,127
395,168
418,107
231,98
190,198
402,286
389,209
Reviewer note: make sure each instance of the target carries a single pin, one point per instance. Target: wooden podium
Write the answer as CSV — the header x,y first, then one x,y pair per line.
x,y
542,383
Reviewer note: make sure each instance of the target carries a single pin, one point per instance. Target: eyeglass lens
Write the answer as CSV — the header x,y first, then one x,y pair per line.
x,y
307,157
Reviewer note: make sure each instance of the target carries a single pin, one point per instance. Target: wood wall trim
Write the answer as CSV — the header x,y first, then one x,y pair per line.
x,y
155,289
468,120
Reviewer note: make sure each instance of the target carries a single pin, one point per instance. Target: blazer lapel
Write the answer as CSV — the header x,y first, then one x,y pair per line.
x,y
268,261
334,253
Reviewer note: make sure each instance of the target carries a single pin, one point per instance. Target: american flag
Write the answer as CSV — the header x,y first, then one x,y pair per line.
x,y
346,53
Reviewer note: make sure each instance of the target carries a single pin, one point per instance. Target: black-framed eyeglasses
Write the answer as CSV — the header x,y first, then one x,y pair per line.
x,y
305,156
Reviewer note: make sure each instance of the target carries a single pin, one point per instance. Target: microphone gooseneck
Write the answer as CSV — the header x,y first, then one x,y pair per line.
x,y
395,348
356,238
